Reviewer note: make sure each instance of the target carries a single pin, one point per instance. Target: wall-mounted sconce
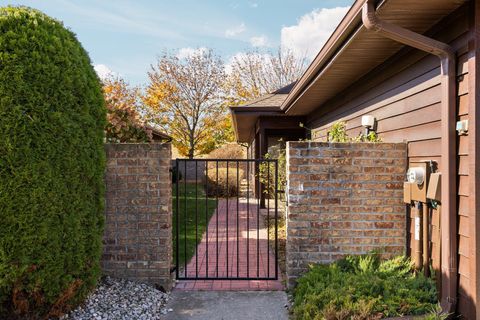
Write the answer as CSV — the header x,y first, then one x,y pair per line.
x,y
462,127
368,121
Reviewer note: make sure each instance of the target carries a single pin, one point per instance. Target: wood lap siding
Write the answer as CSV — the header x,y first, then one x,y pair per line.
x,y
405,98
466,285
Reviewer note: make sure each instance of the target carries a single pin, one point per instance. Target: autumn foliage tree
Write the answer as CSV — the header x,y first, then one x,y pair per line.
x,y
186,97
254,73
125,123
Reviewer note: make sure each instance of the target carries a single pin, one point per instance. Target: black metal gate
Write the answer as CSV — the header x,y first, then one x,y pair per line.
x,y
225,219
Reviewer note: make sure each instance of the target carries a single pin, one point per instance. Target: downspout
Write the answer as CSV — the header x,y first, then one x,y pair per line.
x,y
446,54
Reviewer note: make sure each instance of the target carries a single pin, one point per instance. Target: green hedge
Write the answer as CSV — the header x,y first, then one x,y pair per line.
x,y
52,119
363,287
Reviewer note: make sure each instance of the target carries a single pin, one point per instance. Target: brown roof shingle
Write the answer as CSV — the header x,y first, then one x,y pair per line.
x,y
273,99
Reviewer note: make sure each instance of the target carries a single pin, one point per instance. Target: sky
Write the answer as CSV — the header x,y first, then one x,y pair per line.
x,y
125,37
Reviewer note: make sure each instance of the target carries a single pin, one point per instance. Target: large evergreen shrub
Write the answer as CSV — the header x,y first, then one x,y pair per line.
x,y
52,118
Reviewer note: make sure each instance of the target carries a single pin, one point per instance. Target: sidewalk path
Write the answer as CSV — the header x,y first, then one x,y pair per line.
x,y
237,305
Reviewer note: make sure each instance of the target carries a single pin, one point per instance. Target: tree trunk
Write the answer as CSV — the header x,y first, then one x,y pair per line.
x,y
191,150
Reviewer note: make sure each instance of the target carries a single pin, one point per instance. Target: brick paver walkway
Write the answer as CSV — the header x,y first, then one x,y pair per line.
x,y
232,237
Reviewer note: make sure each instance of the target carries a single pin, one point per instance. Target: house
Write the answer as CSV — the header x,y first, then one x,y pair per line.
x,y
263,125
159,136
411,65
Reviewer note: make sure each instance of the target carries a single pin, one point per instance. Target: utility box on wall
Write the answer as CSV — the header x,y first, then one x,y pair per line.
x,y
418,176
415,192
434,187
407,192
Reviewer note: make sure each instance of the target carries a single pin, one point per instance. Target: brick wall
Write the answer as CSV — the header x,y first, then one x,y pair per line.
x,y
138,225
343,198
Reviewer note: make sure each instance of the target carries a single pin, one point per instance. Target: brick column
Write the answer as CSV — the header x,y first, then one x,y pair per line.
x,y
138,224
343,198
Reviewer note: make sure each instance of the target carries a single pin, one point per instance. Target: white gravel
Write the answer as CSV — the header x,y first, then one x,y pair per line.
x,y
122,299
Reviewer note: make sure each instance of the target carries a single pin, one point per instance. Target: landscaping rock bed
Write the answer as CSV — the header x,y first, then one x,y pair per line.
x,y
122,299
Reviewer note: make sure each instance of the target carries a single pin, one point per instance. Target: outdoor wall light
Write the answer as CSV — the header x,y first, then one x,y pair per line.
x,y
462,127
368,121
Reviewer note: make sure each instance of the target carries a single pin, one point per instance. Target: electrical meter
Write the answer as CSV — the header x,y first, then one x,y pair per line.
x,y
416,175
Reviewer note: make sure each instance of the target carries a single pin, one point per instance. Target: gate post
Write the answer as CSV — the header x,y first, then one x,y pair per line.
x,y
138,219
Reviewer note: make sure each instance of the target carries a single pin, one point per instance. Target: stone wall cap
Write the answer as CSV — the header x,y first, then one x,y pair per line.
x,y
143,146
359,145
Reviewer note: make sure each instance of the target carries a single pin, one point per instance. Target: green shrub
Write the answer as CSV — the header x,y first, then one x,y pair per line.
x,y
52,120
338,132
372,136
266,173
363,287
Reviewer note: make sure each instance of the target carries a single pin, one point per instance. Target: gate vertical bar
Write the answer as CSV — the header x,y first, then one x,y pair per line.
x,y
206,216
248,219
185,219
276,219
259,196
226,222
177,243
238,214
216,213
268,219
196,218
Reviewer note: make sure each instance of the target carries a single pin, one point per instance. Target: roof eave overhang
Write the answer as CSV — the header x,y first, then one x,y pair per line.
x,y
248,117
351,22
314,89
246,109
